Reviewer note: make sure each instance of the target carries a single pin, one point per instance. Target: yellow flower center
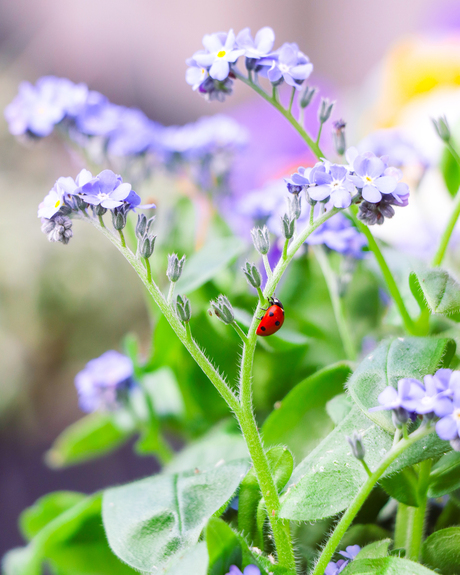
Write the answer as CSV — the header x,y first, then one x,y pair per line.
x,y
221,53
456,414
368,179
57,204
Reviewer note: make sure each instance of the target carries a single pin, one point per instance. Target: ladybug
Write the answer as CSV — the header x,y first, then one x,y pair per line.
x,y
273,318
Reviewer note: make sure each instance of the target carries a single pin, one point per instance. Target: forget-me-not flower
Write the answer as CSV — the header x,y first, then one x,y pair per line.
x,y
221,51
289,64
63,189
339,234
106,190
448,427
195,74
257,47
332,181
350,554
249,570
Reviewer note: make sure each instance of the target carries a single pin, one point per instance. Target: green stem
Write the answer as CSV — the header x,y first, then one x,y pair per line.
x,y
182,333
320,129
291,101
337,302
362,495
122,238
445,238
289,117
101,222
388,276
268,268
418,524
239,331
285,249
402,525
148,270
454,152
262,300
171,292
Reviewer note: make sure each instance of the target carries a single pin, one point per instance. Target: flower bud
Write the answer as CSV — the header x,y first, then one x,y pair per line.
x,y
288,226
307,97
295,206
183,309
252,275
442,128
58,228
143,225
356,444
325,110
251,63
223,309
175,266
339,137
119,217
98,210
261,239
400,417
146,246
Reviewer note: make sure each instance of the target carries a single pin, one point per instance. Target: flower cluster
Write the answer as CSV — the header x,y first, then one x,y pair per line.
x,y
249,570
350,553
438,396
367,180
210,70
68,197
104,382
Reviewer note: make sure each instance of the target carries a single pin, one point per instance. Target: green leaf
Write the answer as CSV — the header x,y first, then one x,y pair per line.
x,y
163,387
21,561
374,550
223,442
208,262
88,438
385,566
402,486
445,475
442,551
193,561
366,536
440,290
281,464
451,171
327,480
339,407
88,558
391,361
223,547
301,421
150,521
45,509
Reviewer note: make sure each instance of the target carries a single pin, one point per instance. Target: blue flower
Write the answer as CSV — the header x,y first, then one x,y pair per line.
x,y
431,401
99,117
134,133
446,381
350,554
288,64
298,181
249,570
214,90
339,234
409,389
396,146
37,109
104,380
220,51
331,181
448,427
195,74
106,190
61,192
259,47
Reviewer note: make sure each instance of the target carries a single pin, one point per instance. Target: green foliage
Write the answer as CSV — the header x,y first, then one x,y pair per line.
x,y
88,438
149,522
450,171
440,290
385,566
339,407
445,475
375,550
392,360
368,536
304,407
442,551
223,547
194,560
402,486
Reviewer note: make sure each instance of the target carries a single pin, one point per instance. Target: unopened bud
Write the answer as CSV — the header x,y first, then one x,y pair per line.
x,y
356,444
325,110
288,226
146,246
339,137
295,206
98,210
400,417
307,97
143,225
252,274
119,218
175,266
251,63
442,128
223,309
261,239
183,308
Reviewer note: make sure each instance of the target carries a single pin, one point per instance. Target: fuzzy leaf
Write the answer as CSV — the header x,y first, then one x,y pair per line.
x,y
385,566
149,522
442,551
375,550
194,560
223,547
445,475
402,486
440,290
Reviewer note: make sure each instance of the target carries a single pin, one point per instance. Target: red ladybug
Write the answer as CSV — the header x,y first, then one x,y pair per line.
x,y
273,318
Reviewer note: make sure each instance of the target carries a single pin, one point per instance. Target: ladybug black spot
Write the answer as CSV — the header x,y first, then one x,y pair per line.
x,y
277,322
263,328
271,314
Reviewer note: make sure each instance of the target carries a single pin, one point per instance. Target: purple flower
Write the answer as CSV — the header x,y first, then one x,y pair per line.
x,y
446,381
288,64
448,427
351,552
340,235
220,51
298,181
62,190
106,189
214,90
133,134
398,148
260,46
104,380
249,570
409,389
432,401
99,117
37,109
331,181
195,74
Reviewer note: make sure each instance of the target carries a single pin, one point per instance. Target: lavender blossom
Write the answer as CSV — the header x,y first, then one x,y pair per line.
x,y
298,181
220,51
104,381
258,47
331,181
106,189
445,381
62,192
350,554
195,74
376,213
339,234
134,133
409,390
99,117
288,64
448,427
214,90
58,228
249,570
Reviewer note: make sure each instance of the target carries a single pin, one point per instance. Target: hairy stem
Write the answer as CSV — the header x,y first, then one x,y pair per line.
x,y
171,292
337,302
362,495
445,238
239,331
268,268
418,522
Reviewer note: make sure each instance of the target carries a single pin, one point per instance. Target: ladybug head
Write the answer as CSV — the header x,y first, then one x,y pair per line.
x,y
275,301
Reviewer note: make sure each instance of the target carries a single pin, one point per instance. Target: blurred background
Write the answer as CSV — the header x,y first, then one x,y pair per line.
x,y
386,63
